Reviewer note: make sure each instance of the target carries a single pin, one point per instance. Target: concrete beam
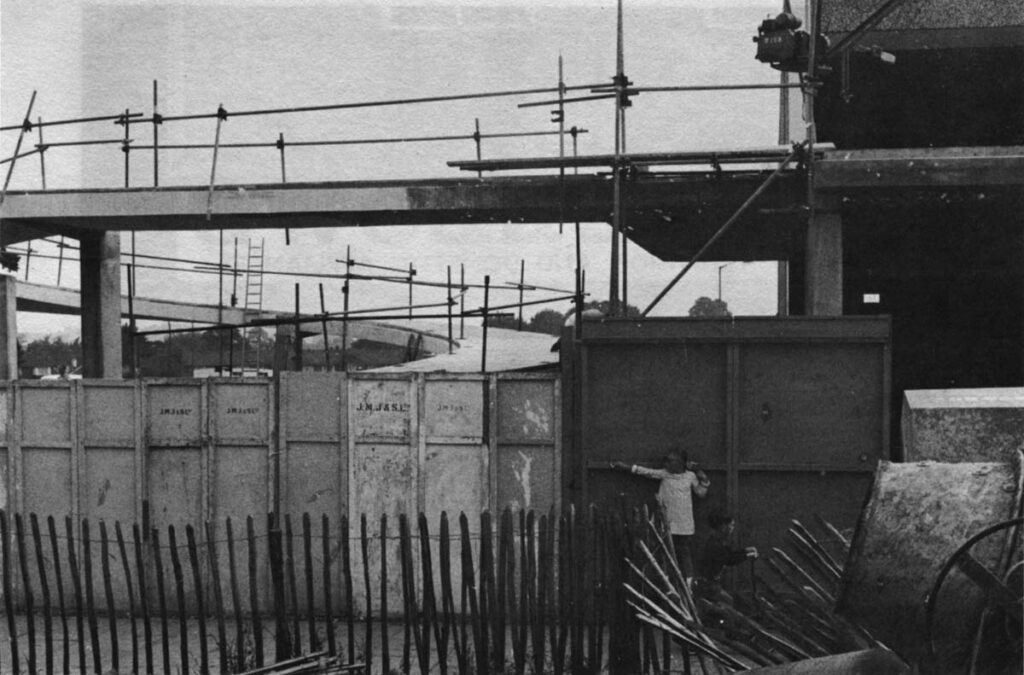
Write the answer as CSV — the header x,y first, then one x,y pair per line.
x,y
57,300
101,295
846,170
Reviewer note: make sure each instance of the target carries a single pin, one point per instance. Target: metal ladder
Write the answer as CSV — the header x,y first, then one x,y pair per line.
x,y
253,299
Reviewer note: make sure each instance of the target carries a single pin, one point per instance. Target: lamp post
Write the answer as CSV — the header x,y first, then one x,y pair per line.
x,y
720,268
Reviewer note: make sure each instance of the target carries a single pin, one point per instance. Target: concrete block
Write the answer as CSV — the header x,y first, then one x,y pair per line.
x,y
963,425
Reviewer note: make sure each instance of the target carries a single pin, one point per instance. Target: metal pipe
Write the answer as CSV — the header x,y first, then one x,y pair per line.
x,y
64,144
26,125
221,116
125,149
451,301
354,141
323,323
522,279
563,101
13,158
156,139
131,324
560,114
412,273
353,263
476,140
487,296
298,337
462,301
380,103
42,154
344,327
722,230
764,155
77,120
706,87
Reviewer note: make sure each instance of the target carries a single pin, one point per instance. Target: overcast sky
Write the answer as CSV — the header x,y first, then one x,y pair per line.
x,y
99,58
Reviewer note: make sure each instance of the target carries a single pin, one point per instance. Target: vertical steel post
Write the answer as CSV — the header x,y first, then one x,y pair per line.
x,y
345,291
156,139
522,280
450,302
298,337
125,146
412,273
284,179
132,347
462,301
560,114
476,139
323,324
487,295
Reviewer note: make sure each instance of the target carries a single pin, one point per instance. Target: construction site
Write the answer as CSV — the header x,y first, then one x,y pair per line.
x,y
398,462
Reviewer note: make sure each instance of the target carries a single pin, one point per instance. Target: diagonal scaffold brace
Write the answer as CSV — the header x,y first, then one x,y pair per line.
x,y
798,151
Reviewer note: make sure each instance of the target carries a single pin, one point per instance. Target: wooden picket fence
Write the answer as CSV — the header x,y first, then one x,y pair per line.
x,y
534,593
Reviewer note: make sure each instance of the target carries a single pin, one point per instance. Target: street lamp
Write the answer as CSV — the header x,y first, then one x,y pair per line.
x,y
720,268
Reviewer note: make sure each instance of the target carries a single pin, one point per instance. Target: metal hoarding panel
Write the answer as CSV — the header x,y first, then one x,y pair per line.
x,y
384,481
239,483
526,478
45,411
640,400
174,479
382,410
768,502
813,403
109,414
526,410
456,481
313,419
174,413
46,477
453,410
108,488
313,484
239,413
314,406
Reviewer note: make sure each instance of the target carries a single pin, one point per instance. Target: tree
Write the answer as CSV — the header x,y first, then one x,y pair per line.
x,y
705,307
547,321
502,321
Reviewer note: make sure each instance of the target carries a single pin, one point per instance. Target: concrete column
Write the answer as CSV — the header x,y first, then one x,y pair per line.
x,y
101,305
9,328
823,280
